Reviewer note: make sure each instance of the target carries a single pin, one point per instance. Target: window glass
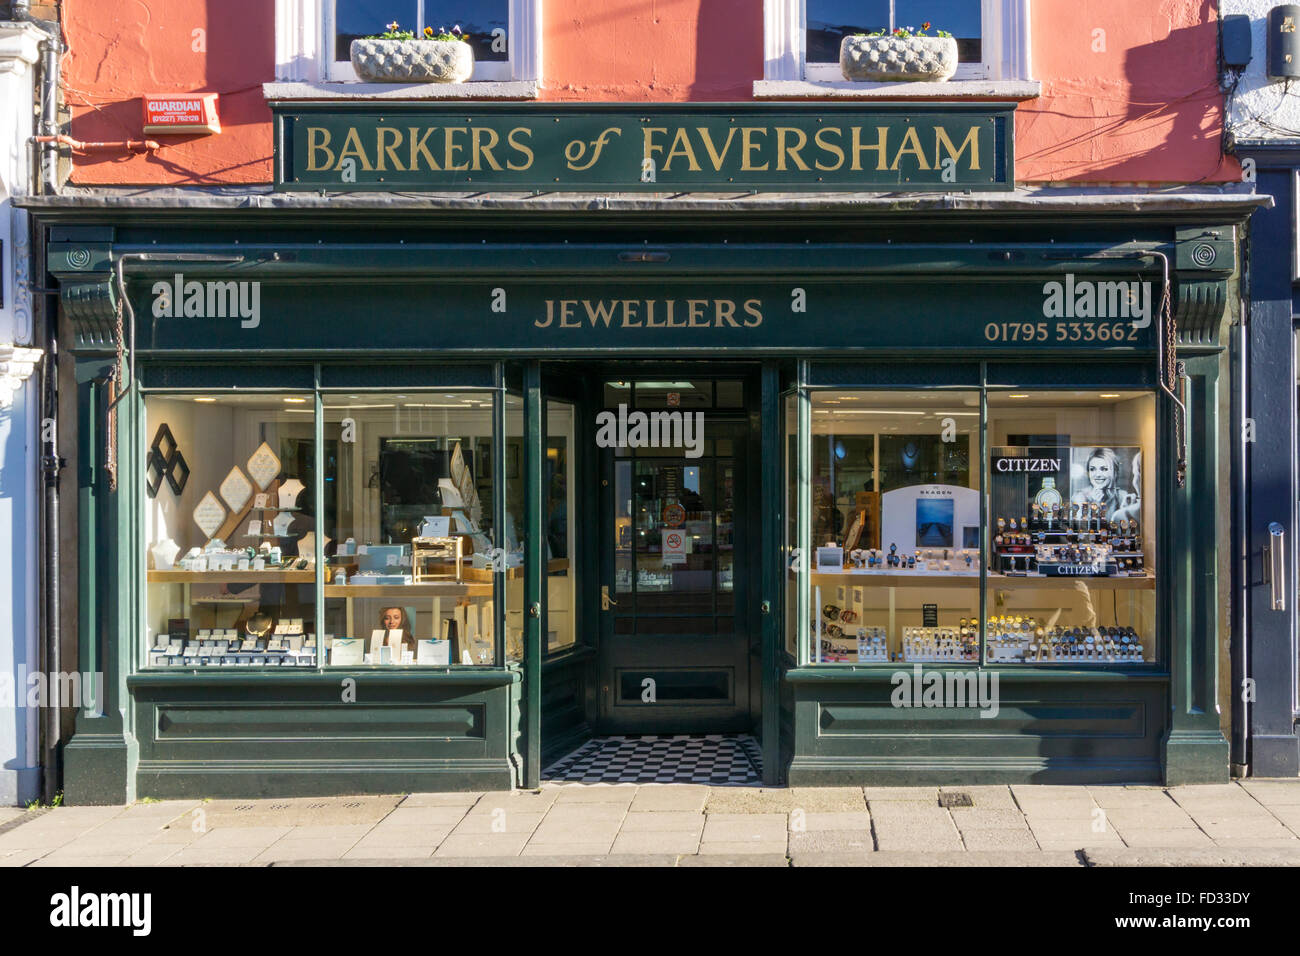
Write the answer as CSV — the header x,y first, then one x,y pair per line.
x,y
1072,530
829,21
479,18
410,554
894,570
557,480
229,530
791,526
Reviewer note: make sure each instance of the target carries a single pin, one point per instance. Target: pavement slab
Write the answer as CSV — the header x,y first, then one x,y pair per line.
x,y
665,821
939,859
832,841
749,800
745,828
1021,839
856,820
975,818
670,799
658,841
1254,856
928,795
482,845
520,821
829,799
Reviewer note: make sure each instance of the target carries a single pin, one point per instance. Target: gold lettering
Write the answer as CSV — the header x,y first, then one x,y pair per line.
x,y
314,144
452,147
630,307
859,147
716,158
417,146
748,146
724,310
682,147
972,140
550,315
602,311
754,307
911,146
390,150
782,149
520,147
566,313
484,150
352,147
650,322
695,310
829,147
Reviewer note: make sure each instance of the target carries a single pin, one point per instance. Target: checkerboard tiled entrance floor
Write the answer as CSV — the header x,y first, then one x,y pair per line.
x,y
719,760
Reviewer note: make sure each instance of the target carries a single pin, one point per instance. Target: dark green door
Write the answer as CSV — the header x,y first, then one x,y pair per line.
x,y
676,535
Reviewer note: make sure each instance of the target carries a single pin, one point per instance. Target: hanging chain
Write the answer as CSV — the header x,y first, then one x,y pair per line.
x,y
1173,383
114,390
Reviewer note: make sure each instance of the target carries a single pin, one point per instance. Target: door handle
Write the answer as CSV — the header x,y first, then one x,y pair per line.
x,y
606,602
1275,565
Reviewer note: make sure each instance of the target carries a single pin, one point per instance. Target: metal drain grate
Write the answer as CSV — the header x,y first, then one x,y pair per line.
x,y
955,799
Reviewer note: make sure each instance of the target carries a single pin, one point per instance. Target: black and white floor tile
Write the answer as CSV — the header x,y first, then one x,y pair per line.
x,y
721,760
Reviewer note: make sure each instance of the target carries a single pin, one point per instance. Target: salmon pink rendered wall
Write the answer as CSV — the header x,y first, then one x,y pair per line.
x,y
1129,88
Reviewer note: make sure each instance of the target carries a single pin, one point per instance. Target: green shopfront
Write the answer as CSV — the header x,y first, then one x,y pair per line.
x,y
409,487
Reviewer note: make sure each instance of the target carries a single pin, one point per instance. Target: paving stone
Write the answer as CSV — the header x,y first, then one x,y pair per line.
x,y
447,799
659,841
1274,793
717,858
749,800
176,836
299,811
424,816
832,841
402,836
586,813
306,850
13,858
1253,841
1076,809
517,821
79,862
155,854
1153,837
938,859
1287,815
999,839
1240,829
745,828
1149,818
482,845
928,795
918,840
670,798
984,797
1176,857
561,833
529,801
665,821
1206,790
8,814
813,822
829,799
596,793
353,832
730,848
918,814
260,837
975,818
1130,798
586,848
372,851
223,855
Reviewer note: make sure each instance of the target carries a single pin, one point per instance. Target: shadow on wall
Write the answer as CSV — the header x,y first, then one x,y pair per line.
x,y
1162,122
119,52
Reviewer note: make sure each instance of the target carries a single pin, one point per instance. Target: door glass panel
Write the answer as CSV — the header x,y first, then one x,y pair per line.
x,y
558,478
624,569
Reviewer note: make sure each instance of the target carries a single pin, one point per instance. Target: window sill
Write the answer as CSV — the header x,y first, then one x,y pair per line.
x,y
473,90
856,90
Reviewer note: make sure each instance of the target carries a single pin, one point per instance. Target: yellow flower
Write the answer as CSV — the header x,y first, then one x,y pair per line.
x,y
428,31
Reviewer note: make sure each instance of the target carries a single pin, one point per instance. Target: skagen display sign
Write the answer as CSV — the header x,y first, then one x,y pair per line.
x,y
714,148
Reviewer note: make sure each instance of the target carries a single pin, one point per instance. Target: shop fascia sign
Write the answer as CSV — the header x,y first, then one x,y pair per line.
x,y
887,147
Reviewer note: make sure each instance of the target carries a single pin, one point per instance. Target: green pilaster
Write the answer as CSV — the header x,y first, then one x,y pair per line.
x,y
1195,748
769,590
534,570
100,758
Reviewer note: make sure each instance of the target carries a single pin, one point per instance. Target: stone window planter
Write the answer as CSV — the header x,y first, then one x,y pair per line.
x,y
898,58
412,61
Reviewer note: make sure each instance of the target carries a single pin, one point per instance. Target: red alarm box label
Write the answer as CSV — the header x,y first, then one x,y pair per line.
x,y
181,113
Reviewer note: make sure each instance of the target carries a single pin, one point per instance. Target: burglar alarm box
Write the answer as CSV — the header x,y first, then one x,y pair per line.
x,y
181,113
1284,42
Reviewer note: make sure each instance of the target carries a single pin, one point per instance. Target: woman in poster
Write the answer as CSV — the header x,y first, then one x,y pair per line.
x,y
1096,479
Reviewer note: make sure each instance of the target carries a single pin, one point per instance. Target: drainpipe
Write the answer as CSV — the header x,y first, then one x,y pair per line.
x,y
52,48
1238,536
51,466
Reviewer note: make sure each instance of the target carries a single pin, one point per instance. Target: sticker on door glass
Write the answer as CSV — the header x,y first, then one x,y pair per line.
x,y
674,515
676,545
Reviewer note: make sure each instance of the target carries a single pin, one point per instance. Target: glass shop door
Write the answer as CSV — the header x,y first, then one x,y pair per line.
x,y
675,653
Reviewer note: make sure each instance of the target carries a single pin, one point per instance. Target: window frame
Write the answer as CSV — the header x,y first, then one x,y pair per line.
x,y
1005,46
304,45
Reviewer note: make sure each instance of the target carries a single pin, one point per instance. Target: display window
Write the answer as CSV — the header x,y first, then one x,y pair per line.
x,y
1071,527
407,527
229,530
913,543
